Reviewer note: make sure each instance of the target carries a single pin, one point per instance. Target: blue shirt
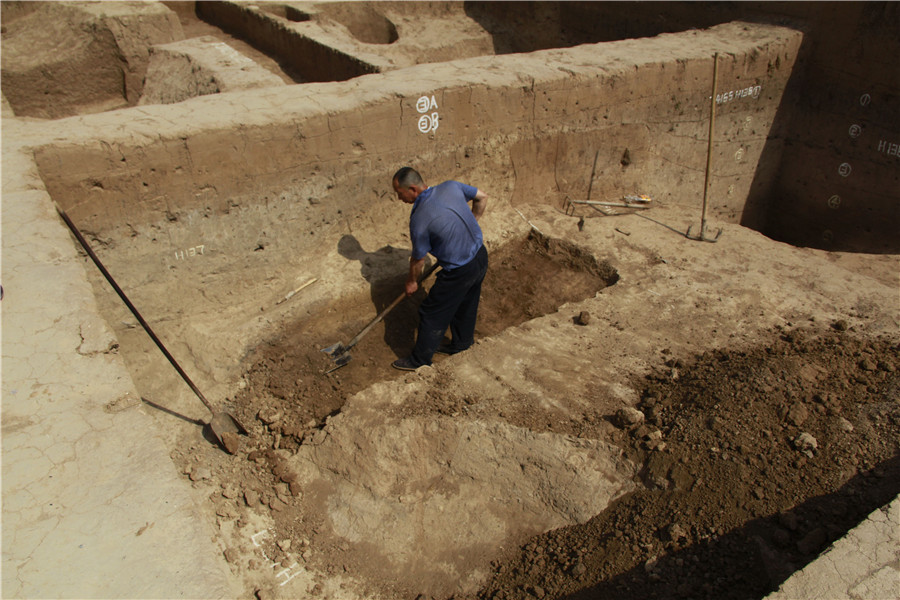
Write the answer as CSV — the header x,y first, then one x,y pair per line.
x,y
442,223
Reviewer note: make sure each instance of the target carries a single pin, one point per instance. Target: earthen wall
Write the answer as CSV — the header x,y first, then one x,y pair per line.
x,y
536,127
304,55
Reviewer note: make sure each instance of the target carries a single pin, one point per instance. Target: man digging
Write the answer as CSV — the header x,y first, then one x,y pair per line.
x,y
442,224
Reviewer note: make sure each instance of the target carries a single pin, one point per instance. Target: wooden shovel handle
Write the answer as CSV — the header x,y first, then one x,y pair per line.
x,y
132,308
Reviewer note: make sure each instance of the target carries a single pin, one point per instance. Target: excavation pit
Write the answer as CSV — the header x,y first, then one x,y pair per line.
x,y
505,471
526,279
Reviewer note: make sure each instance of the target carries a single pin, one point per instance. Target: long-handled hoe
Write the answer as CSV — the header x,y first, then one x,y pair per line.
x,y
712,124
341,353
223,425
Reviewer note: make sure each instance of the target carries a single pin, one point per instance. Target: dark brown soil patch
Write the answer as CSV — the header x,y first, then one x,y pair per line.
x,y
731,505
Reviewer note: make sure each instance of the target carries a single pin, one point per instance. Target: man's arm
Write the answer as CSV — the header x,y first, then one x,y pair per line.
x,y
479,203
415,271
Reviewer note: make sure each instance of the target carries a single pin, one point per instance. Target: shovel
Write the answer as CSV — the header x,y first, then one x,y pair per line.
x,y
224,426
712,125
341,353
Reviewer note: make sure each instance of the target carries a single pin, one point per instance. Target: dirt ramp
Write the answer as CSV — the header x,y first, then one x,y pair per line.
x,y
436,497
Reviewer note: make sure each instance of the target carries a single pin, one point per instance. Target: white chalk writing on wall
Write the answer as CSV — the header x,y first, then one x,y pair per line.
x,y
748,92
189,252
889,148
428,122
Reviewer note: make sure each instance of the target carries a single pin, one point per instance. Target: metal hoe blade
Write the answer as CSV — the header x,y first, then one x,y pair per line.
x,y
341,353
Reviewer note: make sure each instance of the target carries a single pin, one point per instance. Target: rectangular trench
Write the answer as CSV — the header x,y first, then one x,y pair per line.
x,y
236,199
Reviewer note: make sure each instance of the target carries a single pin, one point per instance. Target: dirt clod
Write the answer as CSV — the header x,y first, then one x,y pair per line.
x,y
232,442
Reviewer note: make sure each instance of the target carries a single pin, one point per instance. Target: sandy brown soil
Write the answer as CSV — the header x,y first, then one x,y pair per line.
x,y
732,501
287,398
731,498
526,279
764,425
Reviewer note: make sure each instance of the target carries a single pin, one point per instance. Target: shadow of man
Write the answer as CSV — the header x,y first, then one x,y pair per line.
x,y
385,270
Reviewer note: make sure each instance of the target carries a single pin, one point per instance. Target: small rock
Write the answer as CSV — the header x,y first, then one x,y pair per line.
x,y
806,444
251,497
867,364
675,532
295,488
265,594
230,491
231,441
200,473
845,425
583,318
797,414
579,569
232,555
269,415
285,544
655,445
628,417
277,505
839,325
656,434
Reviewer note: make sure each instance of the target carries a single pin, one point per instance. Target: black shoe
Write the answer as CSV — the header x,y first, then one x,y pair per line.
x,y
447,348
404,364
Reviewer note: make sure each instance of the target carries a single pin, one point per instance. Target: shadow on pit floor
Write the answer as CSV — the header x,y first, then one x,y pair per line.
x,y
754,560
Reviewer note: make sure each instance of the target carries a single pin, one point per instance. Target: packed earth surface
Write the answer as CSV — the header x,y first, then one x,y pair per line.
x,y
645,413
749,459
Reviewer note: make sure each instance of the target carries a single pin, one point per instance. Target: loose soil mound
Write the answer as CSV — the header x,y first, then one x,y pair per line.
x,y
754,461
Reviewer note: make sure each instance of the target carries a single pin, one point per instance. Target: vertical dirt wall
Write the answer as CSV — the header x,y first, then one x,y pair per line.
x,y
310,60
633,113
837,185
65,58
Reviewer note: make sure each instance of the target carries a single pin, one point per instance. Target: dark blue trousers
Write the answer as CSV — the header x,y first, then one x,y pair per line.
x,y
452,302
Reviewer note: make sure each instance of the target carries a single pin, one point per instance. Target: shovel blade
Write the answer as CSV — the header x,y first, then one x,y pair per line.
x,y
339,361
334,350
